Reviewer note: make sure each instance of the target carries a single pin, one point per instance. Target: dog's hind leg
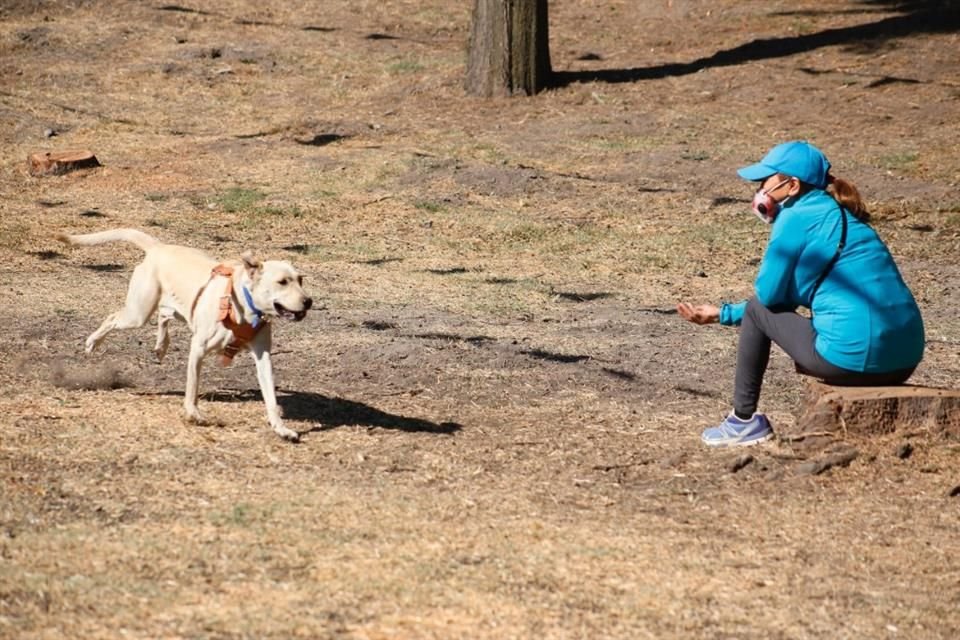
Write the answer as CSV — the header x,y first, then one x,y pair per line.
x,y
165,315
142,297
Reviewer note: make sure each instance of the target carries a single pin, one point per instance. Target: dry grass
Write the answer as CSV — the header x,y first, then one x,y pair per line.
x,y
499,420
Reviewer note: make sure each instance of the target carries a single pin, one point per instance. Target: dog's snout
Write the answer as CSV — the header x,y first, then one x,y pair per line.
x,y
308,303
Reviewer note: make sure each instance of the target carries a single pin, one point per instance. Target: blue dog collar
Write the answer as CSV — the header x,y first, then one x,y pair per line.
x,y
258,315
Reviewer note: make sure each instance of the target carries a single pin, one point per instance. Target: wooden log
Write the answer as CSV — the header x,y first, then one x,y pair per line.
x,y
830,413
54,163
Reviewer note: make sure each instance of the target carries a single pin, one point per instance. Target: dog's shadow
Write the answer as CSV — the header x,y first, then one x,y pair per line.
x,y
329,413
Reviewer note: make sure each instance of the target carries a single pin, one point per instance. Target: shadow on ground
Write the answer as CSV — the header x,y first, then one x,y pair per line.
x,y
327,412
919,17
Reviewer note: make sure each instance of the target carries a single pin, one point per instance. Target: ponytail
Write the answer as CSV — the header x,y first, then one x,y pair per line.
x,y
847,196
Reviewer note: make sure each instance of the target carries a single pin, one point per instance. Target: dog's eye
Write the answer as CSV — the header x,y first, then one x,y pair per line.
x,y
283,282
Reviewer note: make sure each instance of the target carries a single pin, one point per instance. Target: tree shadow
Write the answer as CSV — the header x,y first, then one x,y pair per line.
x,y
322,139
376,262
574,296
110,267
46,254
919,17
542,354
447,271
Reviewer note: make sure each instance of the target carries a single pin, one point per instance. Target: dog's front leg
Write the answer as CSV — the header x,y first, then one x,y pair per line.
x,y
260,348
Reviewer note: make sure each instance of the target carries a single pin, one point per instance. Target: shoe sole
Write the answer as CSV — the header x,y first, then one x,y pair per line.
x,y
738,443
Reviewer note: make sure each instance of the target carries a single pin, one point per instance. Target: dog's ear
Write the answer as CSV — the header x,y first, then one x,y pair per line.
x,y
251,264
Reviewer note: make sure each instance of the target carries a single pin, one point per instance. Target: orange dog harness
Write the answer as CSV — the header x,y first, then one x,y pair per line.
x,y
243,332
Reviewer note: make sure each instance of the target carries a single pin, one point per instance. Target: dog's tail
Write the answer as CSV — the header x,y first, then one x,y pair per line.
x,y
134,236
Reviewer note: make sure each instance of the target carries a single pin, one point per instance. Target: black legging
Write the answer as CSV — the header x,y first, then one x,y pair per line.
x,y
795,335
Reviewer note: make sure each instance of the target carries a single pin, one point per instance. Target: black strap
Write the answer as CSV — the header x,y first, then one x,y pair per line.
x,y
836,256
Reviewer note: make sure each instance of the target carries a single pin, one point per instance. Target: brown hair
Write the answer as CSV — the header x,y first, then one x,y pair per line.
x,y
846,194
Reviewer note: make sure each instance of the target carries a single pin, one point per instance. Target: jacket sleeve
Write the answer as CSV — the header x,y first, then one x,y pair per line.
x,y
787,240
732,313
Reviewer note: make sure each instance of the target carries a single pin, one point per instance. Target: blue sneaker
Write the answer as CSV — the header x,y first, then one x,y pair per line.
x,y
734,432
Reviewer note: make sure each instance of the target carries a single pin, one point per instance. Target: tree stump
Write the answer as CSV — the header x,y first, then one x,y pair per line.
x,y
55,163
830,413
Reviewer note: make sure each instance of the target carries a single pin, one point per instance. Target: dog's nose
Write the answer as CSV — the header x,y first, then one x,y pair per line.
x,y
308,303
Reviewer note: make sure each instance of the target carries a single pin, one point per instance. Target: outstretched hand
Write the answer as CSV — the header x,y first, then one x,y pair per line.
x,y
699,314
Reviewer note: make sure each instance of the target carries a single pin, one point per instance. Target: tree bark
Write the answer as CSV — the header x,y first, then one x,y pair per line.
x,y
838,413
509,50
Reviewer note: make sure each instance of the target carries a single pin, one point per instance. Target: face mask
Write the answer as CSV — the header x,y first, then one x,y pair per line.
x,y
764,205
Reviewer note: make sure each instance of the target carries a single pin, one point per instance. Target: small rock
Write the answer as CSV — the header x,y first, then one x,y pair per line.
x,y
953,493
809,468
672,461
49,133
776,474
701,274
740,462
904,450
816,467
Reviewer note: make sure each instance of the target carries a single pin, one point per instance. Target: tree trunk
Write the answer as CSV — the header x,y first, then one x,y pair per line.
x,y
509,49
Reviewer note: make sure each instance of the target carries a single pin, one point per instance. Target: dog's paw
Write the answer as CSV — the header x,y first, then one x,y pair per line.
x,y
193,417
285,433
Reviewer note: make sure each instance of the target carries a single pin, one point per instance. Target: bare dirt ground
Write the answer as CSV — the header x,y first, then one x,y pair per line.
x,y
500,418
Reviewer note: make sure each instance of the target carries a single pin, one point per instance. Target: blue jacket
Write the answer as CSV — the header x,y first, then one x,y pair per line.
x,y
864,315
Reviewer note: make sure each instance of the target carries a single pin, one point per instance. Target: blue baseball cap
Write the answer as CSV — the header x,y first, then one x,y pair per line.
x,y
798,159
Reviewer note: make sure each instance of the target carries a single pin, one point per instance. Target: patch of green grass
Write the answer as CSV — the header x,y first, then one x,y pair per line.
x,y
902,161
258,216
250,203
240,514
404,66
803,27
243,514
488,153
953,221
699,156
524,233
429,206
238,199
292,211
623,143
155,197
